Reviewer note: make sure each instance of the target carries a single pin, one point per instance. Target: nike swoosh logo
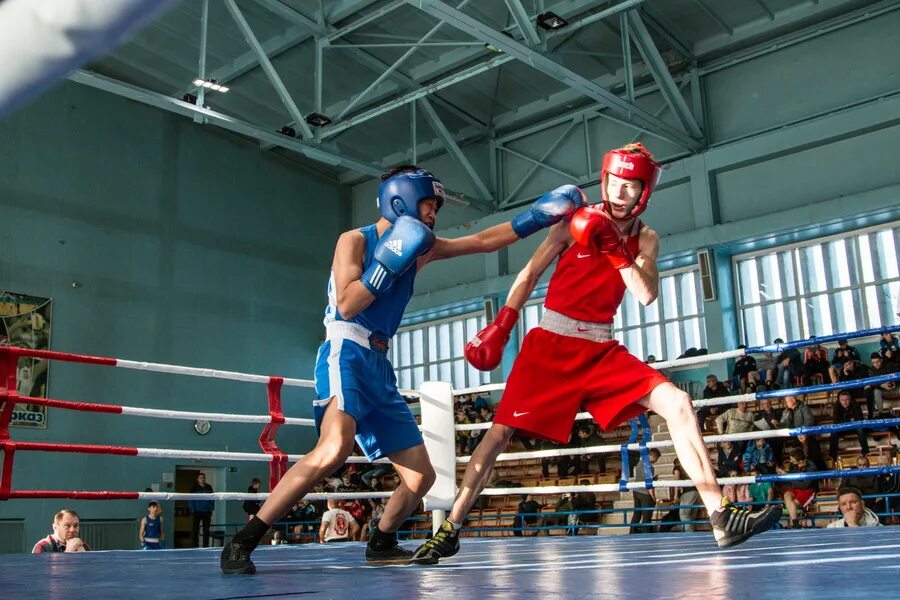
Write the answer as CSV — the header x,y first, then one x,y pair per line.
x,y
582,329
518,414
580,255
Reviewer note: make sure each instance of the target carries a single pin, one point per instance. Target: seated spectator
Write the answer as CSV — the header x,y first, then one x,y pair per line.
x,y
527,513
811,450
585,503
251,507
801,493
650,359
735,420
688,499
767,418
729,458
842,354
846,410
744,375
563,505
376,511
815,362
643,498
64,538
357,509
475,436
855,513
887,483
579,464
480,403
337,525
760,492
486,414
788,364
346,484
867,484
852,371
875,393
759,457
302,515
736,492
278,538
462,437
796,414
765,370
890,347
714,389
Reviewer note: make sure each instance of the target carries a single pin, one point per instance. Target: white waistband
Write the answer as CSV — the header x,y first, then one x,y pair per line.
x,y
561,324
348,331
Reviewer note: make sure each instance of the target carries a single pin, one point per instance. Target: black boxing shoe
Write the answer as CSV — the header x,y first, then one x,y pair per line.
x,y
444,544
236,558
733,525
384,549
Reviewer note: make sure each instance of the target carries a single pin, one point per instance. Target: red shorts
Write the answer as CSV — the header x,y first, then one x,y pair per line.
x,y
554,376
803,496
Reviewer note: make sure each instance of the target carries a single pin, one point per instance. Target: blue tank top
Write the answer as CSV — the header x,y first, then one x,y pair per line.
x,y
152,528
385,313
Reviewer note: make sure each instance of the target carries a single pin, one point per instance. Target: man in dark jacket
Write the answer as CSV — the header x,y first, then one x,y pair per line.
x,y
846,411
201,511
251,507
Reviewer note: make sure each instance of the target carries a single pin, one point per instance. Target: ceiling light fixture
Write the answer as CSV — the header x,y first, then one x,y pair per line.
x,y
317,120
211,84
551,21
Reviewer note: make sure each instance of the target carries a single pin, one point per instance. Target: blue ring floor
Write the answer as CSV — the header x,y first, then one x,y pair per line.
x,y
855,563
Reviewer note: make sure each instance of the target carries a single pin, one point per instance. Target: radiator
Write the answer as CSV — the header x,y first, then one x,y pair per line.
x,y
111,534
689,387
12,536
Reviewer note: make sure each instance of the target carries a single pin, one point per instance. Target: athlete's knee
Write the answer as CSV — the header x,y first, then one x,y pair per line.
x,y
679,408
419,483
331,452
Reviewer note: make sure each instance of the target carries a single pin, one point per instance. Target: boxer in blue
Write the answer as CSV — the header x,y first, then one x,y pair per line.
x,y
371,283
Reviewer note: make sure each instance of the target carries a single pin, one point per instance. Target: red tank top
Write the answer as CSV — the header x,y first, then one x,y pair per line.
x,y
585,286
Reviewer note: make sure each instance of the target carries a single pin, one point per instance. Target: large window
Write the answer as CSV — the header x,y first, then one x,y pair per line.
x,y
434,352
665,329
838,284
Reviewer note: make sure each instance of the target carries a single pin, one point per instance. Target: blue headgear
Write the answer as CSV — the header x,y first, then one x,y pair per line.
x,y
400,195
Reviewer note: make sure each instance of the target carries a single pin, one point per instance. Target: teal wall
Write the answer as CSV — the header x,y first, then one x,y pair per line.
x,y
190,246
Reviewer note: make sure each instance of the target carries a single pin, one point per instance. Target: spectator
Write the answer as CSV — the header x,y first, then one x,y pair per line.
x,y
645,499
736,492
526,514
735,420
815,362
761,492
346,486
376,511
486,414
480,403
842,354
890,347
201,511
278,538
867,484
714,389
152,535
251,507
811,450
586,504
687,498
337,525
357,509
462,437
767,418
375,476
650,359
64,538
796,414
875,393
887,483
855,513
801,493
852,371
759,456
765,369
788,364
302,515
563,505
579,464
744,376
475,436
847,411
729,458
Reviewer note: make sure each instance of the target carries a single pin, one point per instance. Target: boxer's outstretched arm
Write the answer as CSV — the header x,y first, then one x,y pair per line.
x,y
642,277
556,242
489,240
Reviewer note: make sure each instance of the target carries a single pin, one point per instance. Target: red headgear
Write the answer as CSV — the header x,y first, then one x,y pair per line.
x,y
630,165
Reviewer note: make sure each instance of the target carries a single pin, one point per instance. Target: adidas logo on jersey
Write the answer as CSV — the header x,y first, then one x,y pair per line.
x,y
395,246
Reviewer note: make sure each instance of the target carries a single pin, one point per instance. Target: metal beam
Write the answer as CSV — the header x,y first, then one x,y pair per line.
x,y
291,15
362,21
714,16
173,105
201,67
677,44
766,9
523,22
540,163
596,17
441,130
269,70
660,71
629,112
536,162
626,57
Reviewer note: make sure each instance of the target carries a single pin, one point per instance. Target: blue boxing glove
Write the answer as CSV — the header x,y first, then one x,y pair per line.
x,y
549,209
396,251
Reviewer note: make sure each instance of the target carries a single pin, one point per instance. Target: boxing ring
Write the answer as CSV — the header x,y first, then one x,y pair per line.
x,y
656,565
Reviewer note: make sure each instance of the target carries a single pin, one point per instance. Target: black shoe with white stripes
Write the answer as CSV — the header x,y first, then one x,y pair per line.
x,y
733,525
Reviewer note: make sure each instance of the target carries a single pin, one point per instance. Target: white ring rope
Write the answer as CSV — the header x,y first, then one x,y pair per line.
x,y
215,417
247,456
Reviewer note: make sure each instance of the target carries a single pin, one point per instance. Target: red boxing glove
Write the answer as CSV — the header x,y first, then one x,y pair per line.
x,y
593,228
485,350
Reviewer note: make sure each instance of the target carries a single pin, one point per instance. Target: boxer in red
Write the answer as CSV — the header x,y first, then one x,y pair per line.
x,y
571,361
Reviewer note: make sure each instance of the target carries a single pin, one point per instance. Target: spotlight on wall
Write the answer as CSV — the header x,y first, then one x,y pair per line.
x,y
317,120
493,48
551,21
211,84
189,98
288,131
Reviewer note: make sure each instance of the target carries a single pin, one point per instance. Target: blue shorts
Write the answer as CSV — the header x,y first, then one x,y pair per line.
x,y
363,384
